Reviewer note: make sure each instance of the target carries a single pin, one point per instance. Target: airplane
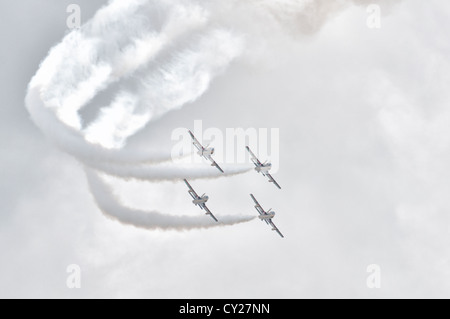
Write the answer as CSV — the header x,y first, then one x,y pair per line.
x,y
262,168
266,216
205,152
199,200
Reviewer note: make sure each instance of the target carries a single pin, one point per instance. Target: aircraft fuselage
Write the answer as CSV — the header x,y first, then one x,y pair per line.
x,y
267,216
201,200
206,152
263,168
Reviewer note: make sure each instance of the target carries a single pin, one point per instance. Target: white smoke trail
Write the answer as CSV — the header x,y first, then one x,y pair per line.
x,y
167,171
119,42
73,142
107,49
164,53
181,80
108,203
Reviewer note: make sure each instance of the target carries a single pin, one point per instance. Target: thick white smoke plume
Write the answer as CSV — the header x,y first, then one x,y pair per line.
x,y
158,55
166,171
164,54
109,204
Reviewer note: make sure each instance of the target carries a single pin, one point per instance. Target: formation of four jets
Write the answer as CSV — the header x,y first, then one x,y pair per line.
x,y
263,168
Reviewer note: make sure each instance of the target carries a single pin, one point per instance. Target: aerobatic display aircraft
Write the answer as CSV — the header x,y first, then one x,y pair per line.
x,y
199,200
262,168
205,152
266,216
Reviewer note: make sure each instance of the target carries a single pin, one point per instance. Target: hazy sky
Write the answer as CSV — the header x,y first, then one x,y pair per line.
x,y
364,150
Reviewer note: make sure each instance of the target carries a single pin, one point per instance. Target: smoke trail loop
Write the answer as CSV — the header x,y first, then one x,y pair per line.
x,y
131,40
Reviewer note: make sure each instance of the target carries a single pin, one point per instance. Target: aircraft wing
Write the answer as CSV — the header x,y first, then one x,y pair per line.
x,y
275,228
258,206
196,142
216,165
255,160
208,212
191,190
272,180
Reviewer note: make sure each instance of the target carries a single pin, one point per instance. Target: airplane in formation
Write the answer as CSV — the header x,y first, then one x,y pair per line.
x,y
263,168
205,152
266,216
199,200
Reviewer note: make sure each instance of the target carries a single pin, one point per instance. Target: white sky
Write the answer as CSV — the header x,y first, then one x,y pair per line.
x,y
363,117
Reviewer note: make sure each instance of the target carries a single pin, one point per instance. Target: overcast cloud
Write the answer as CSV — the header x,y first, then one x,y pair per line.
x,y
364,150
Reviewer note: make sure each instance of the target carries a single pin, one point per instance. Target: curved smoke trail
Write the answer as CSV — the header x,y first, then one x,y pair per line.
x,y
109,204
166,171
165,56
